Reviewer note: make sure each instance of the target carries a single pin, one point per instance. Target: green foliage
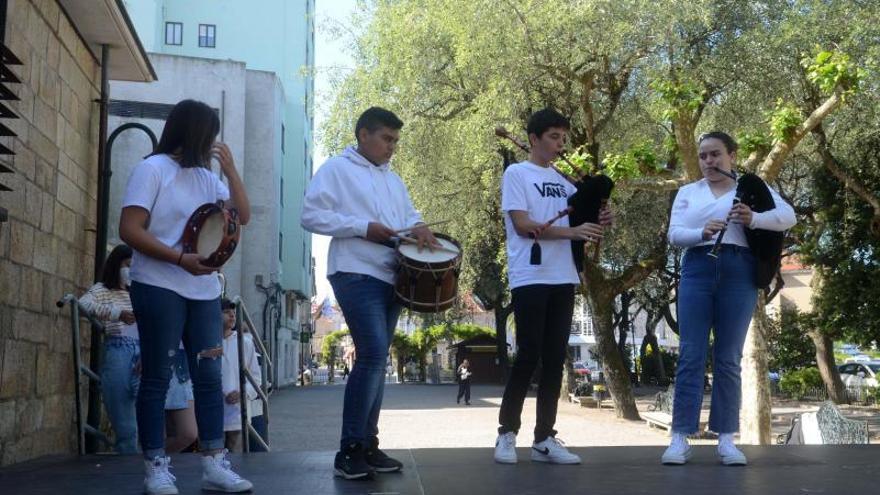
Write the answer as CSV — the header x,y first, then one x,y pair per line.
x,y
788,344
842,247
637,161
784,120
330,342
834,71
678,97
798,383
648,366
750,142
580,158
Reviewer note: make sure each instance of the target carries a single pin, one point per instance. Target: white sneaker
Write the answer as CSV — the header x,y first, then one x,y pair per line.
x,y
552,450
159,481
505,448
730,455
217,475
678,452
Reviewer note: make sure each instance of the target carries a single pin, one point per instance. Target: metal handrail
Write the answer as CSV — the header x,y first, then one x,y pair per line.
x,y
243,318
77,310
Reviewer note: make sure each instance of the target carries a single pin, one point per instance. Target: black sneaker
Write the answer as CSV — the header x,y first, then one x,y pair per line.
x,y
380,461
350,463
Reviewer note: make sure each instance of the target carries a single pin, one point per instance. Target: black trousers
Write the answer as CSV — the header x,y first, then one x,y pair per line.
x,y
543,324
464,390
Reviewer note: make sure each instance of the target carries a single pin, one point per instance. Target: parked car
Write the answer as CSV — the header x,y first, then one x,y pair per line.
x,y
860,358
581,369
860,374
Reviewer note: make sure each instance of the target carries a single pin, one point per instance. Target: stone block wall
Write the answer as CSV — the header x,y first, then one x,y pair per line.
x,y
47,247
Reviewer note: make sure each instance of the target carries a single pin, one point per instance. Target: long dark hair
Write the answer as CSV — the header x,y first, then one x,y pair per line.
x,y
189,132
110,271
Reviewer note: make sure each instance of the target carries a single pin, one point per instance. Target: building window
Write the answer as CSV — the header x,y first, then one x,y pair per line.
x,y
282,138
207,38
173,33
282,191
280,246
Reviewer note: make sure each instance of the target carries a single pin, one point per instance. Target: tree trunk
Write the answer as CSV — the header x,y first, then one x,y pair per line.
x,y
616,375
755,415
623,329
827,366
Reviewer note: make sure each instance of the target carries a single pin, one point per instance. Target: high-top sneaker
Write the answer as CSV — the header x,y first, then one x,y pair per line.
x,y
678,452
505,448
728,453
159,480
351,464
553,450
217,475
379,461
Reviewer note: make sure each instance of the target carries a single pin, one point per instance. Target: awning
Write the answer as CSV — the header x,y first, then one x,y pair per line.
x,y
105,22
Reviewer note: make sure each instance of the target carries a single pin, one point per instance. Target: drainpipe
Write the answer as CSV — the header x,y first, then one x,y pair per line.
x,y
94,416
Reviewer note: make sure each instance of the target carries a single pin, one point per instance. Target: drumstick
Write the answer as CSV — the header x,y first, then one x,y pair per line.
x,y
412,240
432,224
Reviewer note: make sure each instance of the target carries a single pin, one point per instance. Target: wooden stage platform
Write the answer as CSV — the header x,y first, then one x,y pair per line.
x,y
775,470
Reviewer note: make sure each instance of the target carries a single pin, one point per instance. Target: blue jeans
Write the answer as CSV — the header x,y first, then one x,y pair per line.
x,y
717,294
371,315
119,387
164,317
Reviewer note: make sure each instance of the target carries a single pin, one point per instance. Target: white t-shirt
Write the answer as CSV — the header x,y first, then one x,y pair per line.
x,y
171,194
229,375
542,193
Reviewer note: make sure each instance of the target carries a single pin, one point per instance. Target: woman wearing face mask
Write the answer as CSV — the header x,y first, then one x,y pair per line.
x,y
108,300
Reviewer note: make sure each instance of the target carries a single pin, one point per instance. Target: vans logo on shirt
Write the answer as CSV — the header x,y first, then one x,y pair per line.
x,y
551,189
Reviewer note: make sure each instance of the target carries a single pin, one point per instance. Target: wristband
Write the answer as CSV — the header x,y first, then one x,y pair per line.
x,y
179,259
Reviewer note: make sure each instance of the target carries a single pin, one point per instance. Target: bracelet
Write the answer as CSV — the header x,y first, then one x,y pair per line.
x,y
179,259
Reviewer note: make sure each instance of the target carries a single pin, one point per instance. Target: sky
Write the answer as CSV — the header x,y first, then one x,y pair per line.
x,y
331,59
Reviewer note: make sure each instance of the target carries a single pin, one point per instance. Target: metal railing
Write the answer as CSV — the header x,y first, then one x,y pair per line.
x,y
262,387
77,311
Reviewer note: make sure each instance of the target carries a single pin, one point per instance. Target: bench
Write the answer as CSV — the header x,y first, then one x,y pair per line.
x,y
659,414
825,427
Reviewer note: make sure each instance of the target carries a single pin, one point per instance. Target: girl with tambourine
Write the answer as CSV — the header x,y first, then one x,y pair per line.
x,y
173,293
717,291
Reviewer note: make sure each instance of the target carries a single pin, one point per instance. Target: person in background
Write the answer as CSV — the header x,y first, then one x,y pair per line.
x,y
231,378
464,382
109,302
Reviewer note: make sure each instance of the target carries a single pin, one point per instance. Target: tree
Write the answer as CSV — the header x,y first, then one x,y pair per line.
x,y
638,78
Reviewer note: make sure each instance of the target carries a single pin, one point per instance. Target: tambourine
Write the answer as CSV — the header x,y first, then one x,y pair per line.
x,y
212,232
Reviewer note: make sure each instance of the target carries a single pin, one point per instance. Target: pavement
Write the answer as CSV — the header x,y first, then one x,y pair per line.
x,y
419,416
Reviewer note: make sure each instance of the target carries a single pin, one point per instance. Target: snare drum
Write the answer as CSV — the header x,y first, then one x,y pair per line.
x,y
213,232
427,282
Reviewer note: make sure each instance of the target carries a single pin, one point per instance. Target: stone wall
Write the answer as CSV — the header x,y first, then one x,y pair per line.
x,y
47,247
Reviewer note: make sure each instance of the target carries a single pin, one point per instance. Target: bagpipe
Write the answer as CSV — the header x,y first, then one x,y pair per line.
x,y
766,245
584,206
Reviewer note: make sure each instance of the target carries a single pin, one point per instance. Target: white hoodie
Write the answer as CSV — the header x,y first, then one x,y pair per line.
x,y
345,195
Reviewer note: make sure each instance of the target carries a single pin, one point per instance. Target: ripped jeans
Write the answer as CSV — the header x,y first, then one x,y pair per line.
x,y
164,317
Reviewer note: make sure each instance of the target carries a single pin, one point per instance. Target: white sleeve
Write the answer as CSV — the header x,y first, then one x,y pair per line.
x,y
778,219
221,187
143,186
679,233
513,194
94,304
320,212
412,215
